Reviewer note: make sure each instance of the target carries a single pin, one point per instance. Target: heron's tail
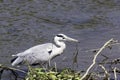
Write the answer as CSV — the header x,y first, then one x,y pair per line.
x,y
16,61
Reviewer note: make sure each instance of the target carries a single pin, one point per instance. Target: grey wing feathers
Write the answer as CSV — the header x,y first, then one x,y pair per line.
x,y
17,61
40,52
35,54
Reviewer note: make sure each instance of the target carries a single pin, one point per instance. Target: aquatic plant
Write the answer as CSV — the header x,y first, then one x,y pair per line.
x,y
41,74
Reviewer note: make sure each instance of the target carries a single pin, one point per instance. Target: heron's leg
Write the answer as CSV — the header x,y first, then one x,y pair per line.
x,y
49,64
43,65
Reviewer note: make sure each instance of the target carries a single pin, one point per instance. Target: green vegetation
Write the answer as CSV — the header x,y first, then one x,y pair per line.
x,y
41,74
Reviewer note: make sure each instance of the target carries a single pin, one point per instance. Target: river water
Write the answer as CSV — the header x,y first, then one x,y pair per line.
x,y
25,23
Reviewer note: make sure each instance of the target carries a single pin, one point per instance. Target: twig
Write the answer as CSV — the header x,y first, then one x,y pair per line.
x,y
115,74
106,72
93,50
75,61
112,44
95,56
10,68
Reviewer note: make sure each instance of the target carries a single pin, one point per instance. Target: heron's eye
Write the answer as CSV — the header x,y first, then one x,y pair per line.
x,y
63,37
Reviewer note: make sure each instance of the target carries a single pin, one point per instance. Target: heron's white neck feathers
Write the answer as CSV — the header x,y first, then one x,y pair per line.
x,y
61,44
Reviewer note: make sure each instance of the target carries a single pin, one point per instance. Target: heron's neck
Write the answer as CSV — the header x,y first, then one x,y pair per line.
x,y
60,44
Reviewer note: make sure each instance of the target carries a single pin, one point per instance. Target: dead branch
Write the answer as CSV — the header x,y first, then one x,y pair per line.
x,y
95,56
115,74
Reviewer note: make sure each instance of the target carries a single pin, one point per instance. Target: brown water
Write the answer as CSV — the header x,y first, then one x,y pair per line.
x,y
25,23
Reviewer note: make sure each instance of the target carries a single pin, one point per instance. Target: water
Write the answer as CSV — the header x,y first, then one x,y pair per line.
x,y
25,23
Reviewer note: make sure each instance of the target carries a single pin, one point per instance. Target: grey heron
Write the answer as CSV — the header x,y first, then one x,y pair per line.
x,y
43,52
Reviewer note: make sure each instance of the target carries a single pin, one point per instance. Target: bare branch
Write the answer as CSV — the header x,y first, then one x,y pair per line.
x,y
95,56
115,74
106,72
10,68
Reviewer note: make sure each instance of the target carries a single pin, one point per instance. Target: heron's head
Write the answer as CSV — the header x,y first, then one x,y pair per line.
x,y
62,37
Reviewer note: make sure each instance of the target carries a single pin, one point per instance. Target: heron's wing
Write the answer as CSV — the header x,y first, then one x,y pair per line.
x,y
37,53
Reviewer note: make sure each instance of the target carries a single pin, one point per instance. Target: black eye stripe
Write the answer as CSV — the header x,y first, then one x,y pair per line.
x,y
59,36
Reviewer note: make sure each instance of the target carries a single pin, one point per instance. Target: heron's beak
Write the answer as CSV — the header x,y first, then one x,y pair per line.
x,y
71,39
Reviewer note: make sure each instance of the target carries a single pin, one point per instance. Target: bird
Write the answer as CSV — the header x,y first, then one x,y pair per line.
x,y
42,52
